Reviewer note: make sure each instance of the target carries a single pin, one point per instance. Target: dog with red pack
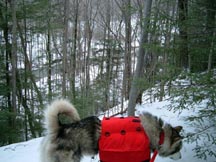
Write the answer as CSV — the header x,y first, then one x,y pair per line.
x,y
116,139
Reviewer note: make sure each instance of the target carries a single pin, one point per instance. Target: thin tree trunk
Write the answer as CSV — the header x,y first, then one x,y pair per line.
x,y
108,57
165,70
210,28
26,69
140,60
14,55
183,34
49,55
64,47
7,63
74,53
127,57
210,54
87,65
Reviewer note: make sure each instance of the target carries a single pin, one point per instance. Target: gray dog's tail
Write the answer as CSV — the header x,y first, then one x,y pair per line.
x,y
56,108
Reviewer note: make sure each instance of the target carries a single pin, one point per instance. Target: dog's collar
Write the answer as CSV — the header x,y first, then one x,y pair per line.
x,y
161,141
162,136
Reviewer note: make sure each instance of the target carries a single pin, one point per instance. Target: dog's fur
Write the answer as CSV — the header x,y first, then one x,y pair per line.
x,y
67,141
172,140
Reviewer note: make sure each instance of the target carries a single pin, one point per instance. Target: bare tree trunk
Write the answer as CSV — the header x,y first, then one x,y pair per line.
x,y
49,55
14,55
108,56
89,26
210,54
27,65
108,73
74,51
49,58
211,12
127,57
64,47
140,60
7,63
183,34
165,71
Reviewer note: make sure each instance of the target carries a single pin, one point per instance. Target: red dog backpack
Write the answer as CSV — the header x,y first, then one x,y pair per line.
x,y
123,139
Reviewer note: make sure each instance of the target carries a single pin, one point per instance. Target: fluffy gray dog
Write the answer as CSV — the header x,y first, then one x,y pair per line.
x,y
68,141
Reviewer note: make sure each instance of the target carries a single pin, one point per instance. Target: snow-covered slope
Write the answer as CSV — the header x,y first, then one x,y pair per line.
x,y
29,151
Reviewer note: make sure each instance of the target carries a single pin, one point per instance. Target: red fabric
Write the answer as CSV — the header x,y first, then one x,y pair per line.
x,y
154,156
161,141
123,140
162,136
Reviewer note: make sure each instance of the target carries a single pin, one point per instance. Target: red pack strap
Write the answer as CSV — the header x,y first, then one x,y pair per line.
x,y
161,141
123,140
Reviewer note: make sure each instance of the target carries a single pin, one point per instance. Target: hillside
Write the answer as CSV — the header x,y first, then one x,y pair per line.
x,y
29,151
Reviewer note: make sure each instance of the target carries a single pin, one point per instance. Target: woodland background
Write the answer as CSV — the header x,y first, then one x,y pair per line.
x,y
100,53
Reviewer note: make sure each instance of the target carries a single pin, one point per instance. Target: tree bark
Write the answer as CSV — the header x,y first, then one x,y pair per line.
x,y
64,47
140,60
210,28
183,34
49,58
108,56
14,55
74,51
127,57
7,64
49,54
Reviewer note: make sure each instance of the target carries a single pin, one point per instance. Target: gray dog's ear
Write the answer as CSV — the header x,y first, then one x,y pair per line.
x,y
178,128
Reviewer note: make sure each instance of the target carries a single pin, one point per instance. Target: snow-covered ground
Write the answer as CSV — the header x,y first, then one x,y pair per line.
x,y
29,151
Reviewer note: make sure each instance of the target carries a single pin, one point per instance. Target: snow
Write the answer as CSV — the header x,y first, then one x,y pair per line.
x,y
29,151
21,152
